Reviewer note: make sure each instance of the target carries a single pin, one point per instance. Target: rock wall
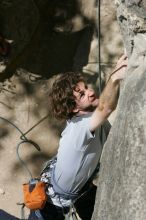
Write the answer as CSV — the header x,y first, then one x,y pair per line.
x,y
122,180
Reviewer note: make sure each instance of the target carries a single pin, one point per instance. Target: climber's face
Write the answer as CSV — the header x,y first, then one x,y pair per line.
x,y
85,98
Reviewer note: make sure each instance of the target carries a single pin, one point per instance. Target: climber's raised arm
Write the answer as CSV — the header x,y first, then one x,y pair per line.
x,y
109,97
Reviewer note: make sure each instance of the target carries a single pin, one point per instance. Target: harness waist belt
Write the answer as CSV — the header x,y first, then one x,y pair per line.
x,y
70,195
58,190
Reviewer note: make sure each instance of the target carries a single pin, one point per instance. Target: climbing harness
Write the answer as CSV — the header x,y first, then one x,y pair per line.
x,y
58,196
61,200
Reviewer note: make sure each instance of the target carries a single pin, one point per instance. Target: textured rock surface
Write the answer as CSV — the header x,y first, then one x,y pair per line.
x,y
122,180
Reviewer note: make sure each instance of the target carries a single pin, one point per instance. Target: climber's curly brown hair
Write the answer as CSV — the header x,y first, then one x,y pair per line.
x,y
62,100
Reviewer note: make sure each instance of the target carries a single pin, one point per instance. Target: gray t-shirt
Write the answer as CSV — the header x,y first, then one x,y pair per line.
x,y
78,153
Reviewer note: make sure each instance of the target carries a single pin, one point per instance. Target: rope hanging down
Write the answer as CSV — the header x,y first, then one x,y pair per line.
x,y
99,49
24,139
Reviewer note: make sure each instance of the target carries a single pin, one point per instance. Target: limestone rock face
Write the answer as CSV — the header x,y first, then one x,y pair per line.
x,y
122,179
132,20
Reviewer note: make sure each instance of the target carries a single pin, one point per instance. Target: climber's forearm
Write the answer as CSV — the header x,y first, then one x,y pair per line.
x,y
109,97
107,103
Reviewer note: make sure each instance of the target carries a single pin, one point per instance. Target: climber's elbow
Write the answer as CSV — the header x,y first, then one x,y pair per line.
x,y
99,116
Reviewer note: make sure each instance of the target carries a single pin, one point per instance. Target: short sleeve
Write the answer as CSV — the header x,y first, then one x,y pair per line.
x,y
82,134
